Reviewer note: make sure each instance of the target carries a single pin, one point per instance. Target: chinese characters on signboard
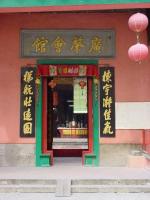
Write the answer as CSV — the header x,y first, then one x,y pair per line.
x,y
67,43
68,70
107,102
27,103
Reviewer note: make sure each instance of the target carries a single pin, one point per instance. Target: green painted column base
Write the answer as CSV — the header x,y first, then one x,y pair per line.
x,y
91,160
43,161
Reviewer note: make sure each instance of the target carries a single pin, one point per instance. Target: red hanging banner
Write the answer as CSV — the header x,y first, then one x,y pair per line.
x,y
67,70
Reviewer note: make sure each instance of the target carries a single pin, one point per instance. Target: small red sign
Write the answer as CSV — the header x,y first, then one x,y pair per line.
x,y
68,70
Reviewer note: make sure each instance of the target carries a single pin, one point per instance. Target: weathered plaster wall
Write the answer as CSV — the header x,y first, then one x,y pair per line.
x,y
23,154
132,80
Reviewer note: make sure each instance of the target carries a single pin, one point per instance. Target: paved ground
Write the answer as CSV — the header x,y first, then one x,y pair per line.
x,y
100,196
73,172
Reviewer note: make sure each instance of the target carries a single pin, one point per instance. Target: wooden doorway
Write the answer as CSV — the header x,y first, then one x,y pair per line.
x,y
44,153
67,126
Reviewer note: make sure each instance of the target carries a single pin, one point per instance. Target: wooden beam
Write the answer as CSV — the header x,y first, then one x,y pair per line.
x,y
75,8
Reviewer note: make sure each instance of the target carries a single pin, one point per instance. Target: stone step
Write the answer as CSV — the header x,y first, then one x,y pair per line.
x,y
70,140
110,189
62,187
70,143
76,181
76,189
69,146
28,182
28,188
110,182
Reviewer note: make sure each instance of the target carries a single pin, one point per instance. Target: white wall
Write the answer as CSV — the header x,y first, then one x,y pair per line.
x,y
133,115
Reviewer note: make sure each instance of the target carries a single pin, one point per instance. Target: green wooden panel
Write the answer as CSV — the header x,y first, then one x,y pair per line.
x,y
41,159
28,3
67,61
96,122
38,126
93,159
89,160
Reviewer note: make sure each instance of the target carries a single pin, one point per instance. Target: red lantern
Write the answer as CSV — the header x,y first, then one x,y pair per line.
x,y
138,22
55,98
138,52
52,84
82,84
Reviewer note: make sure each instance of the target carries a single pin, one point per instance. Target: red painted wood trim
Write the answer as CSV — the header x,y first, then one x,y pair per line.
x,y
74,8
90,121
90,115
44,116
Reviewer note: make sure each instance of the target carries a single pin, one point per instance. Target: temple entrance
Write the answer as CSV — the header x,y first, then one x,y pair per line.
x,y
67,112
67,117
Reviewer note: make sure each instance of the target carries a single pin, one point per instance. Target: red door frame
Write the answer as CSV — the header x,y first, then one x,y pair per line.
x,y
44,116
44,120
43,71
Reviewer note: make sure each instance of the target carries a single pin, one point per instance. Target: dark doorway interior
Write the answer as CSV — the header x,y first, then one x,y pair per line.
x,y
62,121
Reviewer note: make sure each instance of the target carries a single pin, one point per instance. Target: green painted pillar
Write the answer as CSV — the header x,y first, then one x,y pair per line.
x,y
92,159
41,159
96,144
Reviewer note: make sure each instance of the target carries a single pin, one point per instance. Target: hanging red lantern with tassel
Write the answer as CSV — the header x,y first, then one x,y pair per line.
x,y
55,98
138,22
52,84
138,52
82,84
